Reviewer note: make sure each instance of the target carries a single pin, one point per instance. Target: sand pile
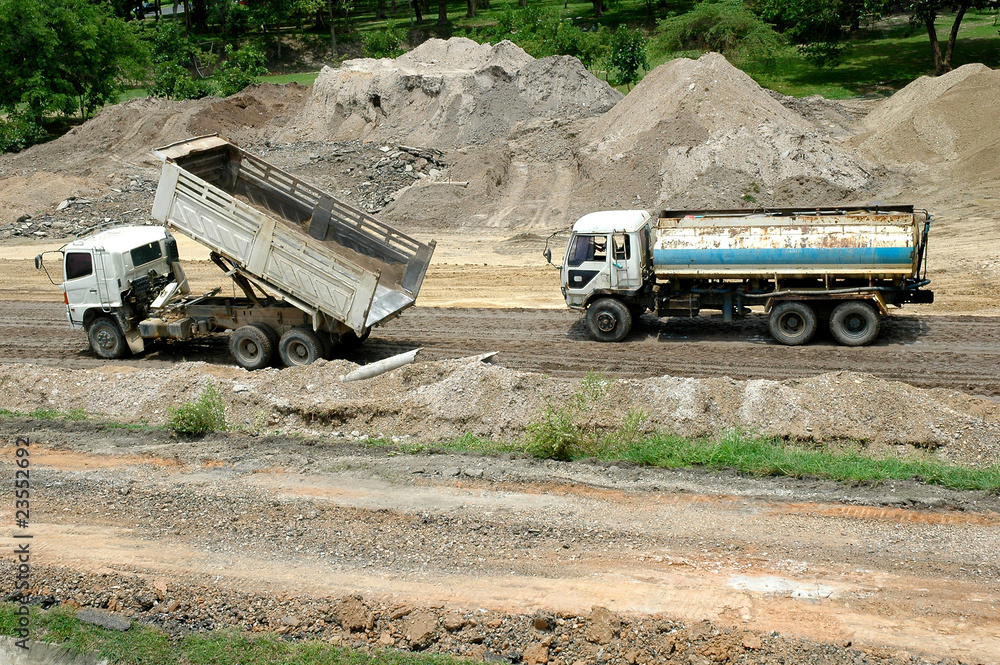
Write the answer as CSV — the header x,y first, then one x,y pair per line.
x,y
943,121
713,136
447,94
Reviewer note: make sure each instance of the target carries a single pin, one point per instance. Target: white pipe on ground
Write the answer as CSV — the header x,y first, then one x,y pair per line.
x,y
380,367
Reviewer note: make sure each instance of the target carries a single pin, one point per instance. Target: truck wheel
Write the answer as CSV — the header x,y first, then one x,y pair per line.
x,y
854,323
300,346
251,347
106,338
271,333
609,320
350,340
793,323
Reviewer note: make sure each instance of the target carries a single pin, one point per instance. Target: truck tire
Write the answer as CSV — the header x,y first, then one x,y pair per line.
x,y
252,347
106,338
854,323
300,346
793,323
609,320
350,340
268,330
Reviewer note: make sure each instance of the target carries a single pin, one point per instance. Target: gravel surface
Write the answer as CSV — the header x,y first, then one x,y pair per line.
x,y
505,559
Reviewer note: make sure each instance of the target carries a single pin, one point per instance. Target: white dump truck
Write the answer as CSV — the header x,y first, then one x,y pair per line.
x,y
844,266
313,271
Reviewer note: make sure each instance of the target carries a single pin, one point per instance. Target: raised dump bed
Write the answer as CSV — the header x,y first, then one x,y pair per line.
x,y
286,237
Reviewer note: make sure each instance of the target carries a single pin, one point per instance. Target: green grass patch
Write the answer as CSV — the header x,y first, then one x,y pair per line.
x,y
147,645
42,413
566,432
305,78
883,60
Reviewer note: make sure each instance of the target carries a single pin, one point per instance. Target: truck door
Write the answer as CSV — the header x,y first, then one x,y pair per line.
x,y
587,263
625,265
80,284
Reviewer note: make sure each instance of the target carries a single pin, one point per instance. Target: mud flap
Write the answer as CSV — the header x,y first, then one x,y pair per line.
x,y
135,342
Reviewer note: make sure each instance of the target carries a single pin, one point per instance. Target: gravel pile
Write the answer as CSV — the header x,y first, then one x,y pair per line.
x,y
441,400
717,139
447,94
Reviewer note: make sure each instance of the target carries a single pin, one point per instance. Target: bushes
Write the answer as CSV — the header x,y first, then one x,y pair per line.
x,y
725,26
240,69
207,414
18,132
175,55
628,55
387,43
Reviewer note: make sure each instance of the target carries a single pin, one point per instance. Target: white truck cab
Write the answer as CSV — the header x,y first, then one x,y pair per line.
x,y
109,277
607,253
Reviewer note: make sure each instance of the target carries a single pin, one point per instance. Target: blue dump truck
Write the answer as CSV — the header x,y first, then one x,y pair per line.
x,y
842,266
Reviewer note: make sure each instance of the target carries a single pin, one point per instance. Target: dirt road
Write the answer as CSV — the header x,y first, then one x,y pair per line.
x,y
956,352
893,570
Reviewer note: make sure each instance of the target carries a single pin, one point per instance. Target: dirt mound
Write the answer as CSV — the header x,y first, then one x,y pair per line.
x,y
938,121
448,94
441,400
716,138
115,144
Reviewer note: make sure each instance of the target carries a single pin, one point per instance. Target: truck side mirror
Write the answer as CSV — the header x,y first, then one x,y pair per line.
x,y
547,254
38,262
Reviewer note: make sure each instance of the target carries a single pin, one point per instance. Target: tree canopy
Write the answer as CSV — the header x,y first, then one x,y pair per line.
x,y
65,56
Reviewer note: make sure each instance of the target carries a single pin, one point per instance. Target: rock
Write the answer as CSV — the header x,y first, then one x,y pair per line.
x,y
751,641
63,204
604,625
451,471
420,629
172,606
144,600
104,619
453,621
354,615
290,622
386,639
542,622
160,586
240,388
399,612
535,654
474,473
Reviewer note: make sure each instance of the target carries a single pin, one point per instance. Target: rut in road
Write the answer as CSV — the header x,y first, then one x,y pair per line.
x,y
954,352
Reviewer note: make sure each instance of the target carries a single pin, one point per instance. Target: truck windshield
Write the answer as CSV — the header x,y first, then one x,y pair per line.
x,y
78,264
588,248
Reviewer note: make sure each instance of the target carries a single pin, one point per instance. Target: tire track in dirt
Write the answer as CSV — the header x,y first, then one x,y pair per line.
x,y
952,352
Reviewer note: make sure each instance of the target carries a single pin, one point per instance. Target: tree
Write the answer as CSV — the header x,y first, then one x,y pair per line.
x,y
628,55
727,27
65,56
442,12
819,28
927,12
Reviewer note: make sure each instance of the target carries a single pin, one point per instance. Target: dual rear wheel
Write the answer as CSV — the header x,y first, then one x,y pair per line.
x,y
852,322
256,345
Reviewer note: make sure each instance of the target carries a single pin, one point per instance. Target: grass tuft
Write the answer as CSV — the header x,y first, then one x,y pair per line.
x,y
204,415
147,645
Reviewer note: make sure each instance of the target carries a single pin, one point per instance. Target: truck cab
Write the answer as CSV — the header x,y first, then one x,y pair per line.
x,y
607,254
109,280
